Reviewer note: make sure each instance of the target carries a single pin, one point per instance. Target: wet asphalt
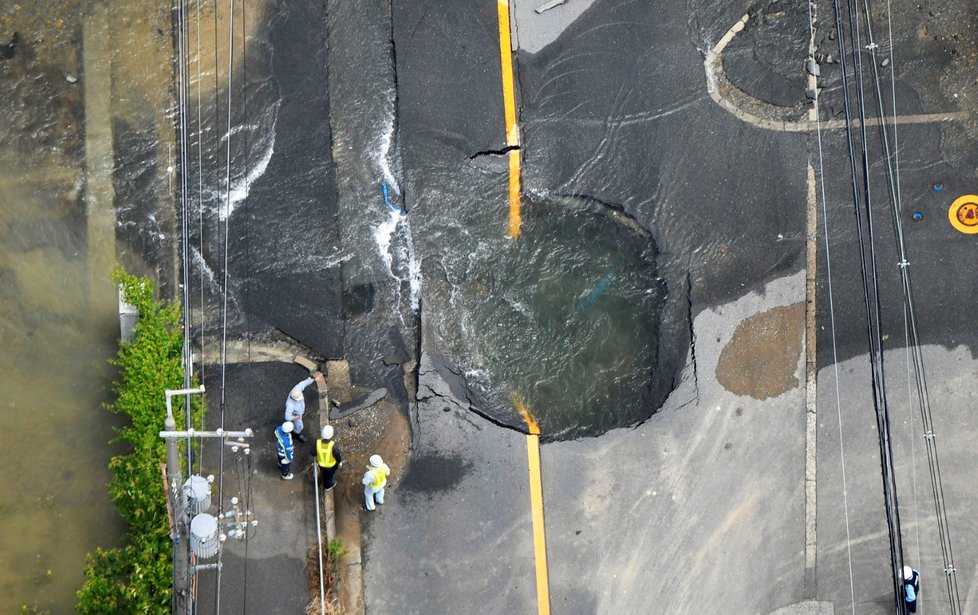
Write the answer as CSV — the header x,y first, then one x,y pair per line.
x,y
703,507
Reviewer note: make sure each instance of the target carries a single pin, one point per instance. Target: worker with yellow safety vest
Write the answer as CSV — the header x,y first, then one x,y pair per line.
x,y
328,458
374,481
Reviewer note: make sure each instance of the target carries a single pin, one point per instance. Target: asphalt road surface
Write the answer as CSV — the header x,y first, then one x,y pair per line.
x,y
703,508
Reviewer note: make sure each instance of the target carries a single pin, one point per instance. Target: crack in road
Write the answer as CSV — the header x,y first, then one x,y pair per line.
x,y
692,335
495,152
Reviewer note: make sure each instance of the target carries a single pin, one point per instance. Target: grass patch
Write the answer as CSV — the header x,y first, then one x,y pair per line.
x,y
331,564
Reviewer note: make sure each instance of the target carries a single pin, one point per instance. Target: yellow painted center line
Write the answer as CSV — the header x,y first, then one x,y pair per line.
x,y
509,109
539,533
536,507
515,218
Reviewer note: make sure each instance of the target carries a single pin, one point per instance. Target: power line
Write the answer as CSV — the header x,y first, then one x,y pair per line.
x,y
835,353
892,175
181,599
184,600
224,290
872,294
244,104
200,192
869,276
923,399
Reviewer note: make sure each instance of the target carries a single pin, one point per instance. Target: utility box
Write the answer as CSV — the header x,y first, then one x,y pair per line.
x,y
128,316
204,539
198,492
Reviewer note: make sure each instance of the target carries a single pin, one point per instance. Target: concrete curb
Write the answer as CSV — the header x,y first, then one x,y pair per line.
x,y
757,112
348,591
348,585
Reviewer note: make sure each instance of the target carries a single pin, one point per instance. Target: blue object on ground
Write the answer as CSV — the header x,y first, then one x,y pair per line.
x,y
599,289
387,200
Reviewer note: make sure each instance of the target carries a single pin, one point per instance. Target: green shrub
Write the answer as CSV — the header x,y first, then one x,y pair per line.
x,y
137,577
335,551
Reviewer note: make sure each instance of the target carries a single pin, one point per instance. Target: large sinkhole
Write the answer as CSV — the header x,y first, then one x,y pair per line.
x,y
564,321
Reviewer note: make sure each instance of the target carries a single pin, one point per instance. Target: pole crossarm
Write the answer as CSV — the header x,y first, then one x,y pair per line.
x,y
172,392
220,433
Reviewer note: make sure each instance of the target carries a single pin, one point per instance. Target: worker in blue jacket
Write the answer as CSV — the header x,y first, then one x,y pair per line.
x,y
284,448
911,588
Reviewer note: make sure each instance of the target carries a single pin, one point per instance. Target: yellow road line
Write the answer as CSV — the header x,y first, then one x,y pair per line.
x,y
515,217
509,109
539,533
524,412
536,507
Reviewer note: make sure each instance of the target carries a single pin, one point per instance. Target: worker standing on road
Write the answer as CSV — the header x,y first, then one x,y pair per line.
x,y
374,481
284,448
295,405
911,588
327,454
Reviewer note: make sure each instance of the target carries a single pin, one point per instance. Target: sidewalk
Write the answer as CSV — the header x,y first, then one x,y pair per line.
x,y
267,573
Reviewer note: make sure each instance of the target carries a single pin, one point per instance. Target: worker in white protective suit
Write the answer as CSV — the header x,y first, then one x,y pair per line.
x,y
374,481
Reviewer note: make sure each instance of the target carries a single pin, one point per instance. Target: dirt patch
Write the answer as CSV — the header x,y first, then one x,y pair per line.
x,y
383,428
761,358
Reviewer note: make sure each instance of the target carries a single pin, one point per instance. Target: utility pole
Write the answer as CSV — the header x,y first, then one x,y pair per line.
x,y
182,572
181,543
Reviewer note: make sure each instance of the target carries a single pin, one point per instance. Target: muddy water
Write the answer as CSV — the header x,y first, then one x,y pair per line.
x,y
53,377
58,332
66,167
53,371
564,322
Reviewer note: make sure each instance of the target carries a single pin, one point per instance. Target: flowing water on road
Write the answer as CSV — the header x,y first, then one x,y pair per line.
x,y
564,320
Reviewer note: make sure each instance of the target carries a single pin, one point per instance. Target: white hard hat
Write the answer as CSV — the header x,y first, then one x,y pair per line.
x,y
287,426
327,432
907,573
376,461
296,394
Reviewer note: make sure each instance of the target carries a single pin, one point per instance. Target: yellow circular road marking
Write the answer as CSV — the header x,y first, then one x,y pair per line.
x,y
963,214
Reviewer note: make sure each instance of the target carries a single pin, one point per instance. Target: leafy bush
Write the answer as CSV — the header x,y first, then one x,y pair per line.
x,y
137,577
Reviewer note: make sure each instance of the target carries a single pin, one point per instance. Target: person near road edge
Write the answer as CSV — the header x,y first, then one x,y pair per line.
x,y
374,481
295,405
911,588
328,457
284,448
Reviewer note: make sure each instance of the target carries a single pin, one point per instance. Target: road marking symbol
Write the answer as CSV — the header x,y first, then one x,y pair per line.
x,y
963,214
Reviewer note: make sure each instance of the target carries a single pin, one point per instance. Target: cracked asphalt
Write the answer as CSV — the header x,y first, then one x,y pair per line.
x,y
753,485
712,504
731,496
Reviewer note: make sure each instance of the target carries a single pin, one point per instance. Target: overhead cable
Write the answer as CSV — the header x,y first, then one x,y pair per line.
x,y
831,300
